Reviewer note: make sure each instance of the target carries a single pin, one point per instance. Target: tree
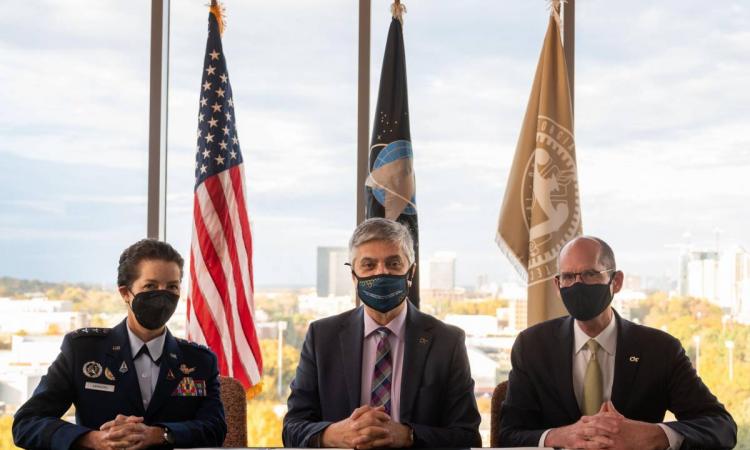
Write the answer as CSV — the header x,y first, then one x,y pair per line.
x,y
686,318
264,423
6,435
290,358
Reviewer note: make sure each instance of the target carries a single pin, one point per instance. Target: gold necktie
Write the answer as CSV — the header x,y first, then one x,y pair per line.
x,y
592,382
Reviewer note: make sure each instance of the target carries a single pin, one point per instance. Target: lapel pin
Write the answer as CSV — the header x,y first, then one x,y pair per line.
x,y
634,359
123,367
173,356
115,348
423,340
108,374
170,375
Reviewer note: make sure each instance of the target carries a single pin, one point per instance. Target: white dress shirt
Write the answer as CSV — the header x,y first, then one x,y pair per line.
x,y
146,369
607,341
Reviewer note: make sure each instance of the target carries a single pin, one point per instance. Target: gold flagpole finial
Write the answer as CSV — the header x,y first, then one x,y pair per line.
x,y
217,9
398,10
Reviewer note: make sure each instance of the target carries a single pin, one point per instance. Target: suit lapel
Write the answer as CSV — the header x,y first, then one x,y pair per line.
x,y
627,361
417,343
169,374
350,340
563,363
119,361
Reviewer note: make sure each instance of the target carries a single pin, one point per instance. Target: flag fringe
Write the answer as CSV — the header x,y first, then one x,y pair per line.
x,y
398,10
219,11
253,390
511,255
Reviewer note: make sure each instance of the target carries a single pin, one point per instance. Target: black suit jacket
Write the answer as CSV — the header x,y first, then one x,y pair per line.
x,y
652,375
437,391
195,417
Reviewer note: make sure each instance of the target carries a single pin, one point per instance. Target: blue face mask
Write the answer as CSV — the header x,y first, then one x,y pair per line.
x,y
383,292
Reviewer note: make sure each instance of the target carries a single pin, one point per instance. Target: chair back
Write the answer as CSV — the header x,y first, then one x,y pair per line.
x,y
498,396
235,411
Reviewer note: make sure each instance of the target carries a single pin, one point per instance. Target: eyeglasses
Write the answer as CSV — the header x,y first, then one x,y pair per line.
x,y
567,279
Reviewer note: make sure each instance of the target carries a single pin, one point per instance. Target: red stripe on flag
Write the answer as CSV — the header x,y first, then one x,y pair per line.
x,y
206,320
217,195
235,174
216,271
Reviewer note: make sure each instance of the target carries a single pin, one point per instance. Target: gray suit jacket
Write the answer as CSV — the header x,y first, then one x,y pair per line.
x,y
437,391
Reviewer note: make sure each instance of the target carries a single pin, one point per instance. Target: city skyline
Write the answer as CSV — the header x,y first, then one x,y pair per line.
x,y
659,129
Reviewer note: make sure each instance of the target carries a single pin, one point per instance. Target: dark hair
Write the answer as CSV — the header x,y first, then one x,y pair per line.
x,y
145,249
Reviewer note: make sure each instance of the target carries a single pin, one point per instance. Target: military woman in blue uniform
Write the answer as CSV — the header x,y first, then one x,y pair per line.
x,y
134,386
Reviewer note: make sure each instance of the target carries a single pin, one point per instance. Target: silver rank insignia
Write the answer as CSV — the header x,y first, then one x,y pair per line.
x,y
92,369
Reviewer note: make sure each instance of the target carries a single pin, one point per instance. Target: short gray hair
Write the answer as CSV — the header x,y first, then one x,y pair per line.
x,y
380,229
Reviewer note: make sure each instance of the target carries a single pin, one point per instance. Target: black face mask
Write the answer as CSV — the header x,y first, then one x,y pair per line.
x,y
153,309
586,301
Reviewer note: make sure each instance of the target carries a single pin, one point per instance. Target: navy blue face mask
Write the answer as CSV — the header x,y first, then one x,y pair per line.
x,y
383,292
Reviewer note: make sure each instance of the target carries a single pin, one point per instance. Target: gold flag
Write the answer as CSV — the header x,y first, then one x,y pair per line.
x,y
541,210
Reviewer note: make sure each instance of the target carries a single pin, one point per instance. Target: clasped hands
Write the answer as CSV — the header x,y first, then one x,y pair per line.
x,y
367,427
608,429
124,432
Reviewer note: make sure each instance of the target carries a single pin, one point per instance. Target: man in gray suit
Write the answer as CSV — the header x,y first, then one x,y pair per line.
x,y
383,374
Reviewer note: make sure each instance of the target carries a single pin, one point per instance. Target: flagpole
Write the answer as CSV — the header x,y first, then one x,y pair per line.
x,y
569,45
157,121
363,107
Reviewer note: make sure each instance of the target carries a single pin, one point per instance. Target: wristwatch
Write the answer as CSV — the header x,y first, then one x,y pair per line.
x,y
167,436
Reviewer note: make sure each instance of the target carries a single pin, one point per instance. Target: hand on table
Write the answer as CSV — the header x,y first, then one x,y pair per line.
x,y
367,427
121,433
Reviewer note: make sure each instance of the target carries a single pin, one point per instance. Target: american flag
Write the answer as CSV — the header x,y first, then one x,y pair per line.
x,y
220,302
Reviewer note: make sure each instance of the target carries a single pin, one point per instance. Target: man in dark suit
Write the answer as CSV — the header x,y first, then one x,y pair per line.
x,y
596,380
134,386
383,374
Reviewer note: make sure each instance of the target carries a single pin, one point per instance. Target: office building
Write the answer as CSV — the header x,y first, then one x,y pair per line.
x,y
334,278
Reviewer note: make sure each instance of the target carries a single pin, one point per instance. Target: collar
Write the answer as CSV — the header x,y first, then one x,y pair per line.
x,y
396,325
155,345
607,339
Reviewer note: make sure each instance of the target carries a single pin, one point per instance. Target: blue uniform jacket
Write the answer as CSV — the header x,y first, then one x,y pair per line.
x,y
94,371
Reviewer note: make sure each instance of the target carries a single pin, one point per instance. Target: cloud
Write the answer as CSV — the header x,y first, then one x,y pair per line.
x,y
661,115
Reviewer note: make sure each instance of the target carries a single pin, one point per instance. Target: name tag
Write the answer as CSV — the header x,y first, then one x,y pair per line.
x,y
100,386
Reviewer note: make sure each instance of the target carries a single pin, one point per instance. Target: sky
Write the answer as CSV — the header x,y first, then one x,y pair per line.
x,y
662,108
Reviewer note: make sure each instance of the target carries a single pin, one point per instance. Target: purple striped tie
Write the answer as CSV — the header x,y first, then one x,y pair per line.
x,y
380,394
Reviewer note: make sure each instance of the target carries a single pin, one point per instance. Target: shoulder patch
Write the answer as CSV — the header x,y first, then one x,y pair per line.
x,y
90,332
186,343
